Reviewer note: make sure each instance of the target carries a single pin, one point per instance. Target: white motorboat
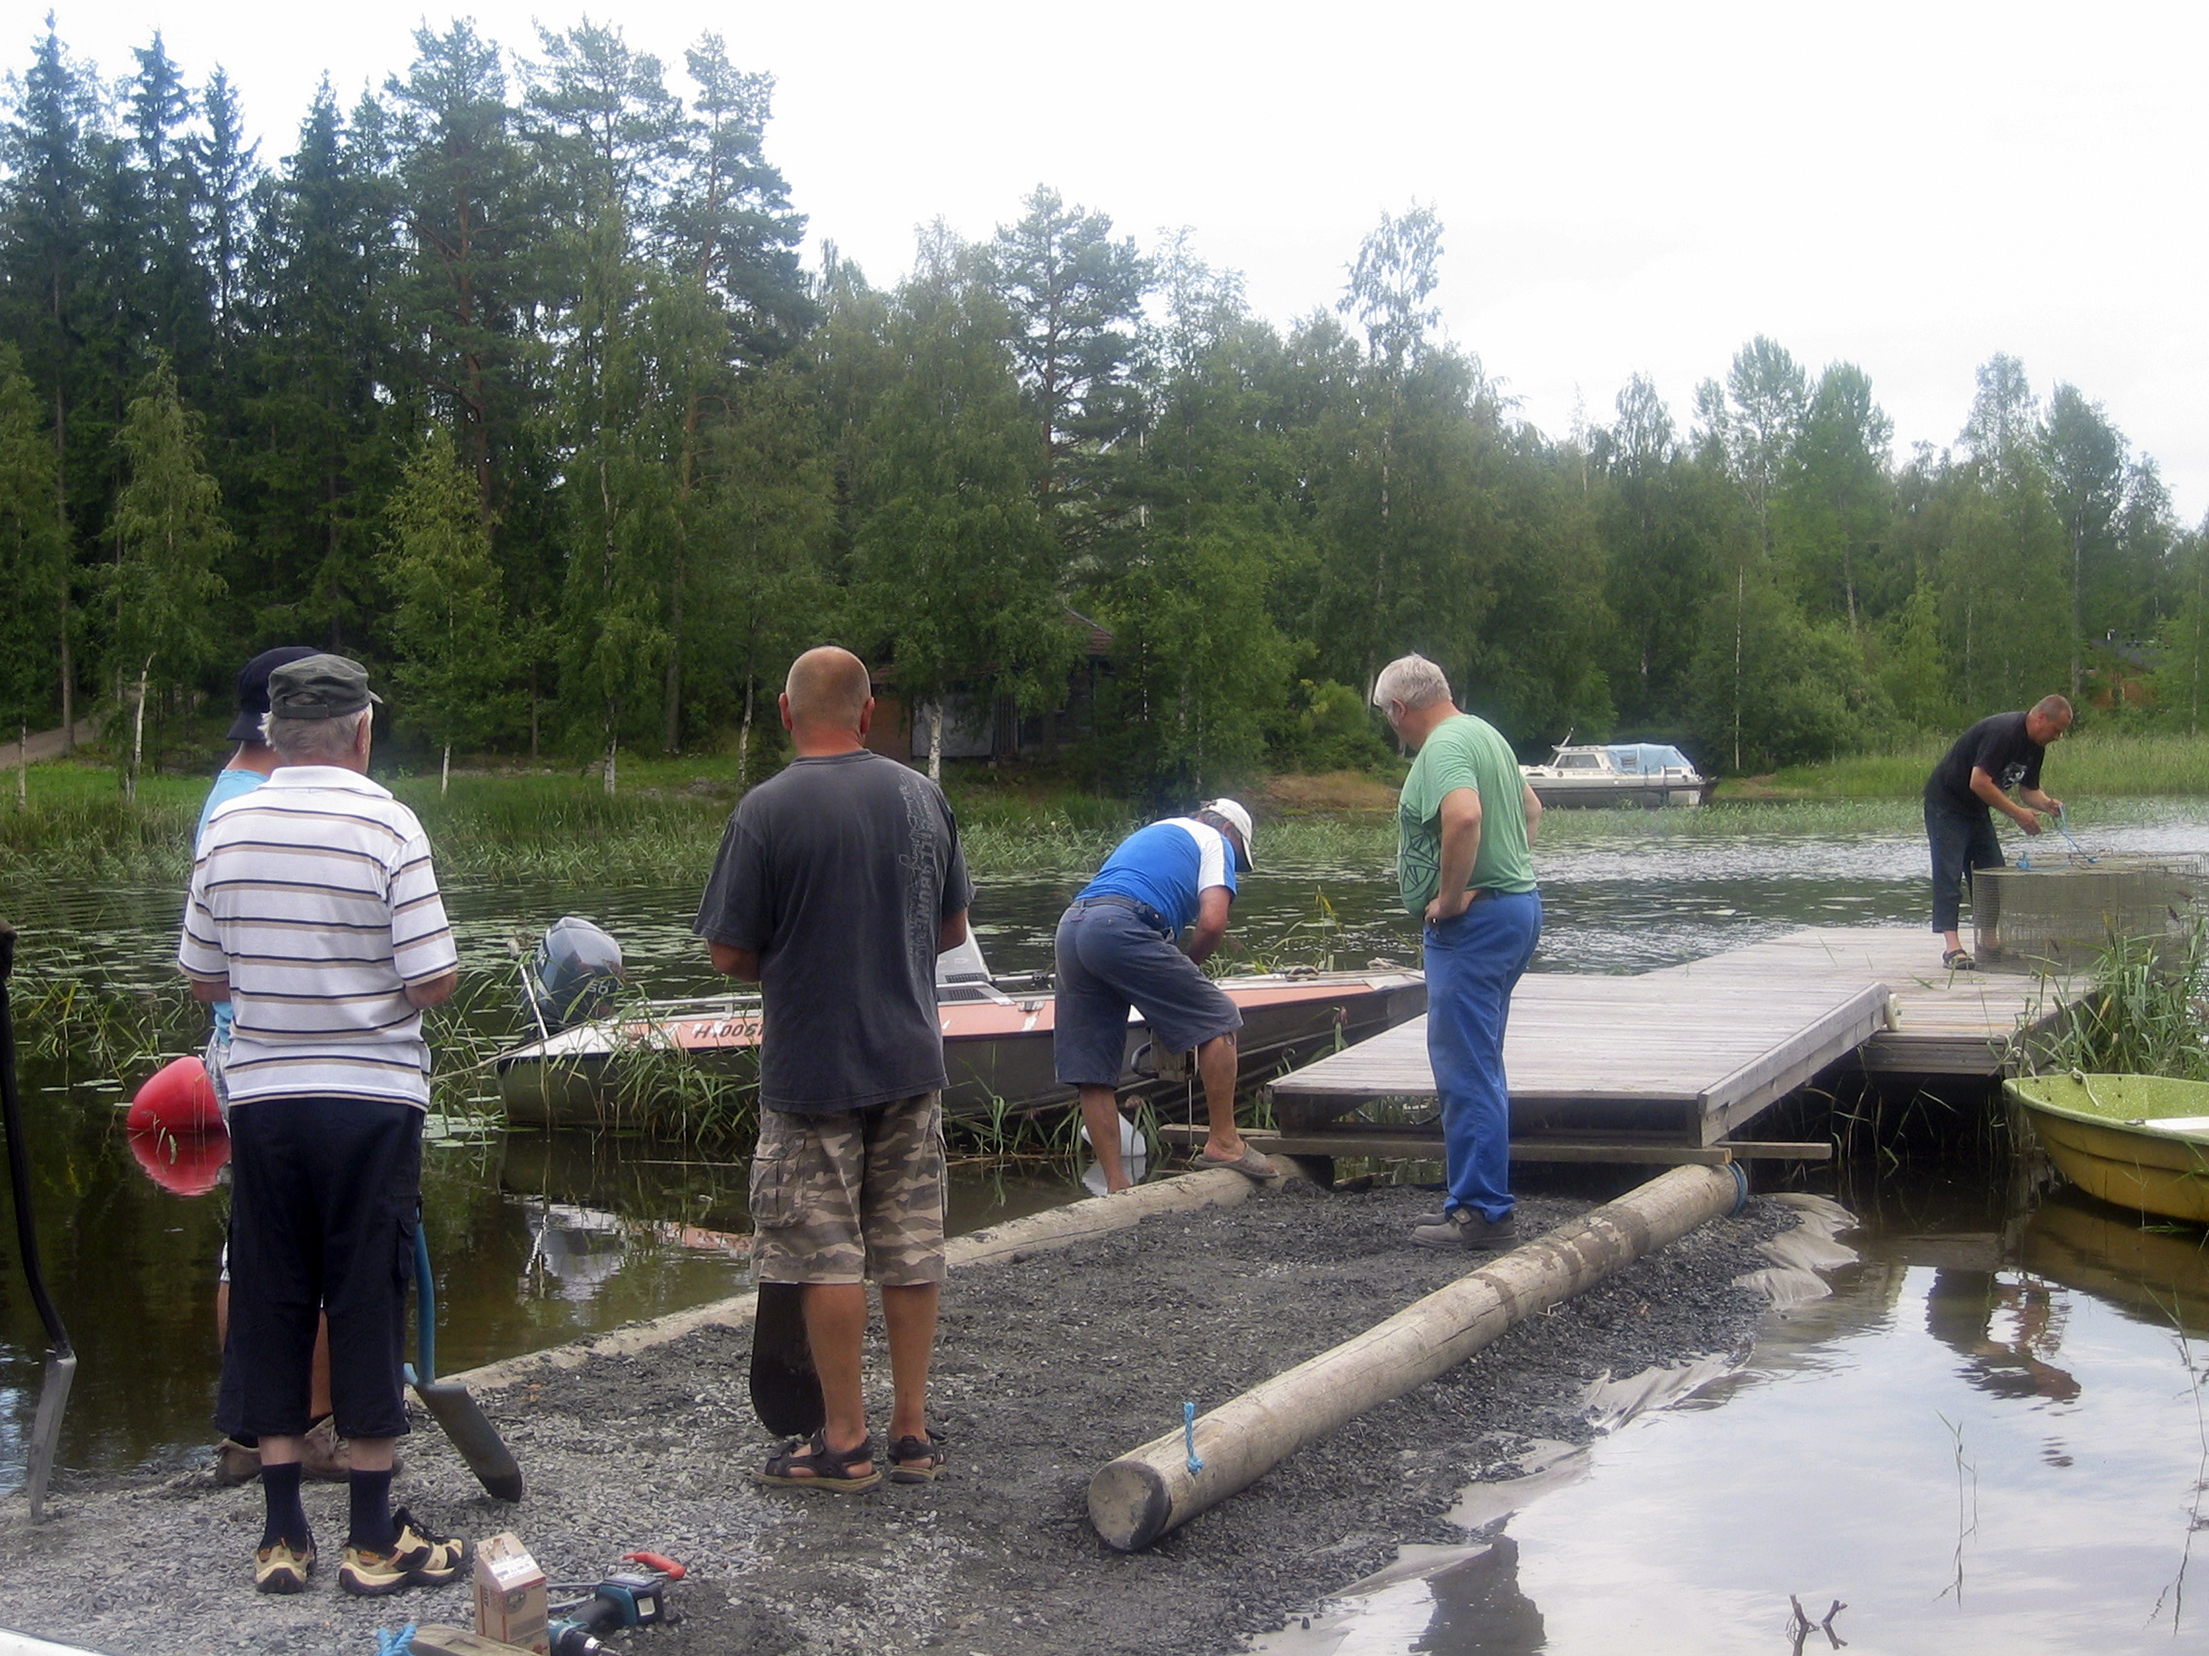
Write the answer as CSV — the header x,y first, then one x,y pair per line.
x,y
1624,773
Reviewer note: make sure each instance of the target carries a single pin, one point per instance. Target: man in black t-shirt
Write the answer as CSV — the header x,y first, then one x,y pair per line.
x,y
837,884
1992,757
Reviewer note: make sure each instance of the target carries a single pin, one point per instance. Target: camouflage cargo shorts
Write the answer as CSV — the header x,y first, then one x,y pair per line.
x,y
850,1196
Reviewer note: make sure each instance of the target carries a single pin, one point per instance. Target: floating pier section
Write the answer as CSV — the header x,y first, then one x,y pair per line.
x,y
1671,1065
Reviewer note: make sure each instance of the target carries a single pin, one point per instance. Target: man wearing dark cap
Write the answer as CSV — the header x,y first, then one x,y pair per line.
x,y
324,1457
314,910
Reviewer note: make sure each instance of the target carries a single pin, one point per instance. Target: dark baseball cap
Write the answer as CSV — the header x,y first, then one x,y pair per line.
x,y
319,687
253,688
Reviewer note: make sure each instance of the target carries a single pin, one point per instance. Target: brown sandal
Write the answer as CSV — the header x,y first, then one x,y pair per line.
x,y
817,1466
917,1460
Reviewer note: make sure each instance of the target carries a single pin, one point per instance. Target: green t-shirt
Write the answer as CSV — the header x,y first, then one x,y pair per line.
x,y
1463,752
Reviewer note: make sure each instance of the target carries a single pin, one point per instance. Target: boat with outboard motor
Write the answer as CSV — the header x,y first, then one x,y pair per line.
x,y
996,1030
1619,773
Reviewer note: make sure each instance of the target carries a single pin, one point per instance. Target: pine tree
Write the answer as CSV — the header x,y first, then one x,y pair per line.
x,y
32,559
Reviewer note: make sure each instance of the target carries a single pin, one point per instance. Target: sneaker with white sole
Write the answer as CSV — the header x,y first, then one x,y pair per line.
x,y
283,1568
444,1555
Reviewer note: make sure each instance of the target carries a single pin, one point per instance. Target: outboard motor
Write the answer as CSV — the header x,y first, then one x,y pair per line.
x,y
573,975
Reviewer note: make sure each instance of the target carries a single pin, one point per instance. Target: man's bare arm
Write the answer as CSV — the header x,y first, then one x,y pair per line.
x,y
210,990
951,933
1460,850
1211,926
1989,790
1533,803
735,963
432,991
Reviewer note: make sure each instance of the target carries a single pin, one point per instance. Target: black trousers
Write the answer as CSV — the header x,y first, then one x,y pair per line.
x,y
325,1195
1963,841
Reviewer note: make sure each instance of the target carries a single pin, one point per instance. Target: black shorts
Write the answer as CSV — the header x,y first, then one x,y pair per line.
x,y
324,1201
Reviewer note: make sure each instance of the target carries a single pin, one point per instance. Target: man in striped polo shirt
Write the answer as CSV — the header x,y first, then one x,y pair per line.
x,y
314,911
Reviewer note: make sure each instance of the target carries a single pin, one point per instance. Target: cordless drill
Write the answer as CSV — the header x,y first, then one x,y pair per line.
x,y
616,1604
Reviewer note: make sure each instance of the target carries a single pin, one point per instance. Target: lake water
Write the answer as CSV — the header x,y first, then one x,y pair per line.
x,y
1991,1438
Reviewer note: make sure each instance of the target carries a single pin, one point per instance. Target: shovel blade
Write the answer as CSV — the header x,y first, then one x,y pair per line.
x,y
786,1388
53,1398
474,1436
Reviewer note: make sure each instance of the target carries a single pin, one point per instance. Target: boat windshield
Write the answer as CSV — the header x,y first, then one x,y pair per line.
x,y
1649,758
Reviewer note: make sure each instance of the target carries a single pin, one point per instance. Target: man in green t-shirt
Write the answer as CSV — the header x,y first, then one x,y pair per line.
x,y
1464,825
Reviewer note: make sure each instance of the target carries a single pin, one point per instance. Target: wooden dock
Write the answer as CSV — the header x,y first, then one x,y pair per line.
x,y
1688,1055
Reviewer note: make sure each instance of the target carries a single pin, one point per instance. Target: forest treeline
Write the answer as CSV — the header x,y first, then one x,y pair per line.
x,y
508,380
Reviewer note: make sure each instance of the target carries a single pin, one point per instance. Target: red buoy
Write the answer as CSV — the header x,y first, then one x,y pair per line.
x,y
177,1098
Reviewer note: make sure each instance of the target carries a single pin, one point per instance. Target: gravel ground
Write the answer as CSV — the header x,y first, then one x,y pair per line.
x,y
1048,1366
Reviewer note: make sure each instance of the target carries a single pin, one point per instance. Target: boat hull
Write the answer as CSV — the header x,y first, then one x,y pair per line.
x,y
997,1052
1619,791
2117,1137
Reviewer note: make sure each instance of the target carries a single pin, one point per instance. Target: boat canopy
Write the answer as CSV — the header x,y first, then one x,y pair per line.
x,y
1648,759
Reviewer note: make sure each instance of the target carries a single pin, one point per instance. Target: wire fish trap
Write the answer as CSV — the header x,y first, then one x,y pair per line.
x,y
2057,913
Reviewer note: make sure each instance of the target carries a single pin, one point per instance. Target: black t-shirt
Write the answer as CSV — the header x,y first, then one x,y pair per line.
x,y
839,873
1997,745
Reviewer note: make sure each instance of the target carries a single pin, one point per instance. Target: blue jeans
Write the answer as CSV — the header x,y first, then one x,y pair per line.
x,y
1473,964
1963,842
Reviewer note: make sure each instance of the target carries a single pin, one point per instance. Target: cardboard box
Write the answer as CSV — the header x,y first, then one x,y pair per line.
x,y
510,1594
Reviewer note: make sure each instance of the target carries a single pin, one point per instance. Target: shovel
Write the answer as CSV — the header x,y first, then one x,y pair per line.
x,y
462,1417
61,1362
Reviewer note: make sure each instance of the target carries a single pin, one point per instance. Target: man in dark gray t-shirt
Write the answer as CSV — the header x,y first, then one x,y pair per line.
x,y
837,884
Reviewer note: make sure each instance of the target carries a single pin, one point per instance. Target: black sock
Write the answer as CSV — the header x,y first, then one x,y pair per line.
x,y
287,1519
373,1530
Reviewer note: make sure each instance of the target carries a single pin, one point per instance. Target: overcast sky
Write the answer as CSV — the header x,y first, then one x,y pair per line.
x,y
1624,187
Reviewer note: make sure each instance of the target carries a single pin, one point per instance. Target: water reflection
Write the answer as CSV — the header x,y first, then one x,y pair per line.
x,y
1991,1438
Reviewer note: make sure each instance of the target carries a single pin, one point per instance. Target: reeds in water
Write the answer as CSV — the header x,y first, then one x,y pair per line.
x,y
2145,1014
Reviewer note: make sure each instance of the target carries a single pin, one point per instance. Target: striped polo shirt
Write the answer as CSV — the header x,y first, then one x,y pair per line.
x,y
314,896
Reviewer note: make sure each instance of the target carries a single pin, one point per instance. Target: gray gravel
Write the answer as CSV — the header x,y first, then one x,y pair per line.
x,y
1048,1366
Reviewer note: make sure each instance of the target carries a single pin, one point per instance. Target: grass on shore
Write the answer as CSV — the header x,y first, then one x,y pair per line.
x,y
664,823
2091,763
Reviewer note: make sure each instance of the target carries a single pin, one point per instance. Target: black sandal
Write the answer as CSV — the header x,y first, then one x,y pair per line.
x,y
817,1466
1957,961
917,1460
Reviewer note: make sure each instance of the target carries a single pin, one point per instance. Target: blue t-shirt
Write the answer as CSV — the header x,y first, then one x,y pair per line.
x,y
229,785
1167,866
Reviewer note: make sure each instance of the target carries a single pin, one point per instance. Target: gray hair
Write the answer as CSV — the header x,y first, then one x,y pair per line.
x,y
313,741
1413,680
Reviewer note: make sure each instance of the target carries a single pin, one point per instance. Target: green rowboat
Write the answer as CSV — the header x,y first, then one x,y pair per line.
x,y
2137,1141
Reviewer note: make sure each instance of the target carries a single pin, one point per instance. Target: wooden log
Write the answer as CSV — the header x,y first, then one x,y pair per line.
x,y
1148,1491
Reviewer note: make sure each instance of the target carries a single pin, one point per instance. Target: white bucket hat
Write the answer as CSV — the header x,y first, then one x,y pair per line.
x,y
1240,819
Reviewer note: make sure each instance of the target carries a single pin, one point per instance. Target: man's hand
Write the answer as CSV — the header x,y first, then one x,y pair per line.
x,y
2026,820
1448,906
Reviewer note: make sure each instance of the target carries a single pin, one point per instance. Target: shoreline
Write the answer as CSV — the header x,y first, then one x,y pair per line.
x,y
1050,1363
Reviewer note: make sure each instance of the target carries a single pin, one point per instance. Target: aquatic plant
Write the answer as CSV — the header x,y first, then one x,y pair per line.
x,y
2145,1013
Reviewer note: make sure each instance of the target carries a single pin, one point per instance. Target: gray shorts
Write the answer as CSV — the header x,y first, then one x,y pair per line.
x,y
1111,958
850,1195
